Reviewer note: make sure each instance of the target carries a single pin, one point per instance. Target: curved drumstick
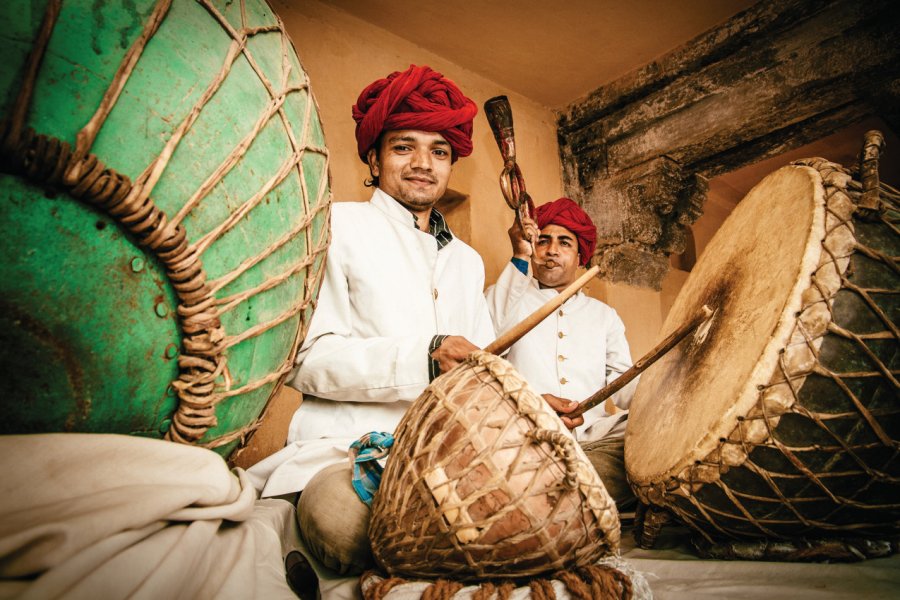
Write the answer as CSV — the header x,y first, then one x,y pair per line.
x,y
641,365
502,343
512,184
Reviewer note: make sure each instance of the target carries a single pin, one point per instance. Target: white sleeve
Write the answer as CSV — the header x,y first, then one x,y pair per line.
x,y
335,365
483,325
503,297
618,360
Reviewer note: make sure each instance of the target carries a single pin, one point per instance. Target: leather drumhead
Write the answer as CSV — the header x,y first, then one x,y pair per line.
x,y
752,274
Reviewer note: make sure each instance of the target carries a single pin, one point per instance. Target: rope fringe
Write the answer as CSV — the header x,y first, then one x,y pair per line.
x,y
593,582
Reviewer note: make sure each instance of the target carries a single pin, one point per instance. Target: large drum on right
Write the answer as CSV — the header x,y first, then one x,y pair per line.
x,y
781,418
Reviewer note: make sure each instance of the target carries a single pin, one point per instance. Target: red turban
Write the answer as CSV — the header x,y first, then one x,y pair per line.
x,y
418,98
568,214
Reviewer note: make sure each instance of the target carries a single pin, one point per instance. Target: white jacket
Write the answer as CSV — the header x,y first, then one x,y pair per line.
x,y
571,354
387,292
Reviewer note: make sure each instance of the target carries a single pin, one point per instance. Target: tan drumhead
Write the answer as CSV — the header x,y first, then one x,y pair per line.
x,y
752,274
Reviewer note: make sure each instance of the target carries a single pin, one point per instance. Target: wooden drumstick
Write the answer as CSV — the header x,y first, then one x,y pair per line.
x,y
641,365
502,343
499,115
869,200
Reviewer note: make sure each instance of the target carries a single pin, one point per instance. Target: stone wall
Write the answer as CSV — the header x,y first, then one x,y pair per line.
x,y
637,153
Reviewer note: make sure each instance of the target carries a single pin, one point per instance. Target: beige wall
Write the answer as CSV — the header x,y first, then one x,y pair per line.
x,y
343,54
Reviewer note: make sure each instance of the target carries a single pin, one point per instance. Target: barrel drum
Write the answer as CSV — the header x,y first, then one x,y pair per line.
x,y
780,419
164,199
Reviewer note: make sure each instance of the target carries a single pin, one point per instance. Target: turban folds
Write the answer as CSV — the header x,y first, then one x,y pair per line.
x,y
417,98
566,213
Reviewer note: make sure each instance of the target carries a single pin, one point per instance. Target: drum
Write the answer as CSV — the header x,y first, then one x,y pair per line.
x,y
485,482
780,418
164,201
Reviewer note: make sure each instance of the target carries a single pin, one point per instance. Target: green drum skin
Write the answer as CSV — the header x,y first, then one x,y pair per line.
x,y
93,336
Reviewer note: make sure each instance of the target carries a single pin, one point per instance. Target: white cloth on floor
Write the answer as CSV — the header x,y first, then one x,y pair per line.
x,y
111,516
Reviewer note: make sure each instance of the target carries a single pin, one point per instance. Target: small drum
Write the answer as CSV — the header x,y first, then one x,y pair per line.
x,y
781,417
485,482
164,202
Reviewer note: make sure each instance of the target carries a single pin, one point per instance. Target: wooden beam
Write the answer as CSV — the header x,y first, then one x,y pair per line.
x,y
636,152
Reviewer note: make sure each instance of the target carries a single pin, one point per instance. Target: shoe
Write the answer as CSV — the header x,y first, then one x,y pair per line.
x,y
301,577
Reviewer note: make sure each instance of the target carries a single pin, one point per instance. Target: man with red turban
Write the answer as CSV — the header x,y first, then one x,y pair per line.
x,y
579,349
401,301
419,99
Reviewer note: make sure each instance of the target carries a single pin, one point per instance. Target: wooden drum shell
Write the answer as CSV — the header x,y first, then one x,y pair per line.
x,y
804,438
484,482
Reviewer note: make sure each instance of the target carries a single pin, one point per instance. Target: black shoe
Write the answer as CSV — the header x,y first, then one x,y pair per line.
x,y
301,577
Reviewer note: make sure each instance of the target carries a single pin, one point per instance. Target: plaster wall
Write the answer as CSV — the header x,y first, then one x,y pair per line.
x,y
342,54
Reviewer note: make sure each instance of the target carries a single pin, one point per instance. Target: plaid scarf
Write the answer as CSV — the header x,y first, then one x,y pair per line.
x,y
364,455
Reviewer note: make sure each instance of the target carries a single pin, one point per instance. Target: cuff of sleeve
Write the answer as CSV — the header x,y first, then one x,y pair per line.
x,y
521,264
434,368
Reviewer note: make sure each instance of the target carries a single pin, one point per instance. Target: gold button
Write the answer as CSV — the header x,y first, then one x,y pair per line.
x,y
564,381
561,358
435,293
561,335
561,313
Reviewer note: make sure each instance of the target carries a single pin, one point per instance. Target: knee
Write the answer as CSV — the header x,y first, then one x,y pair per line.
x,y
334,521
608,459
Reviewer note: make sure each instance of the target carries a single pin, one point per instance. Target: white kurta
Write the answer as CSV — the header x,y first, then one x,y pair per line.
x,y
572,353
387,292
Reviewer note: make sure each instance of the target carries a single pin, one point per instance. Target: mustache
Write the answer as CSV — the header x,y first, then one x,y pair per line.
x,y
421,175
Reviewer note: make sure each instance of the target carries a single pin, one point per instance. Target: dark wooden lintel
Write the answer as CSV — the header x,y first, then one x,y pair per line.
x,y
637,152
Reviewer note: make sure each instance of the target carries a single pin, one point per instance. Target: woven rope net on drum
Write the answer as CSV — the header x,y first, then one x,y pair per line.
x,y
204,379
807,465
474,489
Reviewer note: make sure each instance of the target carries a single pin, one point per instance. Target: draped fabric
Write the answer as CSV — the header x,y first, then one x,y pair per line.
x,y
566,213
418,98
114,516
364,455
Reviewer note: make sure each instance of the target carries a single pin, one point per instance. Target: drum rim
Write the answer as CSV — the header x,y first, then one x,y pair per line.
x,y
689,467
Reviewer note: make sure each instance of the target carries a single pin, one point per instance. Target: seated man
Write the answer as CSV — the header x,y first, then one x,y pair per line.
x,y
401,301
577,351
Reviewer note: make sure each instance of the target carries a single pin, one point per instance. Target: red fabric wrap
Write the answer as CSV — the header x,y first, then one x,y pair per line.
x,y
566,213
417,98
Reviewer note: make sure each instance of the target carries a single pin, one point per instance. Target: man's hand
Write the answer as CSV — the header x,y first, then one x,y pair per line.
x,y
563,406
452,351
521,238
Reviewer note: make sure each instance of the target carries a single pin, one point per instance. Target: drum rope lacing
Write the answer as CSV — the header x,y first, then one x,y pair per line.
x,y
431,502
800,359
592,582
53,163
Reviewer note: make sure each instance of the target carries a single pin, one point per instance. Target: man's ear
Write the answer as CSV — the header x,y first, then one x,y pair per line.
x,y
372,159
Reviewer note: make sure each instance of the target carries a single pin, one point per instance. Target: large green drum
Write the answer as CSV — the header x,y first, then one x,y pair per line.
x,y
164,200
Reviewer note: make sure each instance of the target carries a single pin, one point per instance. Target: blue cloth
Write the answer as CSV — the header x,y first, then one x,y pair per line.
x,y
364,454
521,264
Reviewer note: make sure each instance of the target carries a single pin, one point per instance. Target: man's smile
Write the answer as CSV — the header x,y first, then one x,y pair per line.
x,y
420,179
